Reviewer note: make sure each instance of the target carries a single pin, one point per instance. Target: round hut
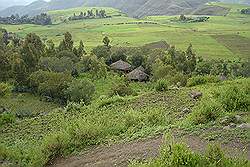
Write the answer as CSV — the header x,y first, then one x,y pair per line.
x,y
137,75
121,66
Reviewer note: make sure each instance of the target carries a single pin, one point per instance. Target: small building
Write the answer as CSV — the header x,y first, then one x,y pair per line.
x,y
121,66
141,68
137,75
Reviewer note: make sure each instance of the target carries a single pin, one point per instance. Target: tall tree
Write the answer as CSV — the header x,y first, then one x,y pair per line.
x,y
5,66
191,59
67,43
20,72
81,50
32,50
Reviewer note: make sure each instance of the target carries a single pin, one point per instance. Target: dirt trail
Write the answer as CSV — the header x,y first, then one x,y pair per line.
x,y
119,155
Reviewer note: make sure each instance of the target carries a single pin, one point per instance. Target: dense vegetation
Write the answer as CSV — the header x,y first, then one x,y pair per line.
x,y
59,96
245,11
178,154
186,19
42,19
90,14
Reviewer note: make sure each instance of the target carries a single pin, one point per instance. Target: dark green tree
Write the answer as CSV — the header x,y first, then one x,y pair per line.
x,y
106,41
31,51
5,67
19,72
81,51
67,43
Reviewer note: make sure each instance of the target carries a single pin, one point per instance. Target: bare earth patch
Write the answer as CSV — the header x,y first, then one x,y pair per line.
x,y
121,154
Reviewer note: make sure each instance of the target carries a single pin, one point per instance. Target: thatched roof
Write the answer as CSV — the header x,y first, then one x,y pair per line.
x,y
120,65
141,68
137,75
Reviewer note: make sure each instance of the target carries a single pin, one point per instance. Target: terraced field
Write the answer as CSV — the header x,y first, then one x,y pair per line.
x,y
124,32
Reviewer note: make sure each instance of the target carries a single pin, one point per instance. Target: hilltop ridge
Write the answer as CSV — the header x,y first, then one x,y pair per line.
x,y
138,8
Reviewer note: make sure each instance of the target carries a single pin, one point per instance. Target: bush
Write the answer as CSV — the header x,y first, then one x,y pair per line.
x,y
7,117
179,155
178,79
234,98
206,111
162,85
50,84
5,89
122,90
80,90
199,80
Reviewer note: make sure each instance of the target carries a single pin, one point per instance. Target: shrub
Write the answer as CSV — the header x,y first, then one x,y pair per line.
x,y
50,84
234,97
178,79
80,90
5,89
162,85
122,90
206,111
7,117
199,80
179,155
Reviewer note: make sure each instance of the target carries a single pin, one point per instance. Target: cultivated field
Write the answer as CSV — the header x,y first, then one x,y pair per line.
x,y
210,39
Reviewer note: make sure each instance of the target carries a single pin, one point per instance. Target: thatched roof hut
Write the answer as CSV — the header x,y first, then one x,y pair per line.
x,y
137,75
121,66
141,68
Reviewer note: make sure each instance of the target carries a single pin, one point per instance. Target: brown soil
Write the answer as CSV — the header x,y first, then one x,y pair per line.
x,y
121,154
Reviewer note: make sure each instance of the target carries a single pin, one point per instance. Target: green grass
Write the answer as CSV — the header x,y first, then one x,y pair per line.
x,y
36,140
180,34
179,154
19,103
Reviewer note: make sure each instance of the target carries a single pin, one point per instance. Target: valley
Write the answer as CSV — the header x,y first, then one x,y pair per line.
x,y
127,84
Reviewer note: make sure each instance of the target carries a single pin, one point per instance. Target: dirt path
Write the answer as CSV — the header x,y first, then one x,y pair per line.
x,y
119,155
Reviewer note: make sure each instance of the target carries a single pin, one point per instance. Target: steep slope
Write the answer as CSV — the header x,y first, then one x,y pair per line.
x,y
31,9
138,8
168,7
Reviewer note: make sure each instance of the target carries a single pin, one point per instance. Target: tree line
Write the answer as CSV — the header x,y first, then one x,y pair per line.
x,y
41,19
90,14
48,70
184,18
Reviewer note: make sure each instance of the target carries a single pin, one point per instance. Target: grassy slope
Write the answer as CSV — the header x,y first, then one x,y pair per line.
x,y
111,119
179,34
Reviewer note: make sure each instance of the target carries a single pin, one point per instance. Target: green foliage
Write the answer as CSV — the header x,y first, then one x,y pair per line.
x,y
80,90
5,66
178,154
6,118
137,58
106,41
20,72
178,79
234,98
67,43
162,85
230,97
199,80
102,52
50,84
63,64
161,70
122,90
68,54
5,89
31,51
119,54
206,111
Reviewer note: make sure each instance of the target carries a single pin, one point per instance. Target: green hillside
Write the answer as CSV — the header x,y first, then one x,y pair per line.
x,y
204,36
